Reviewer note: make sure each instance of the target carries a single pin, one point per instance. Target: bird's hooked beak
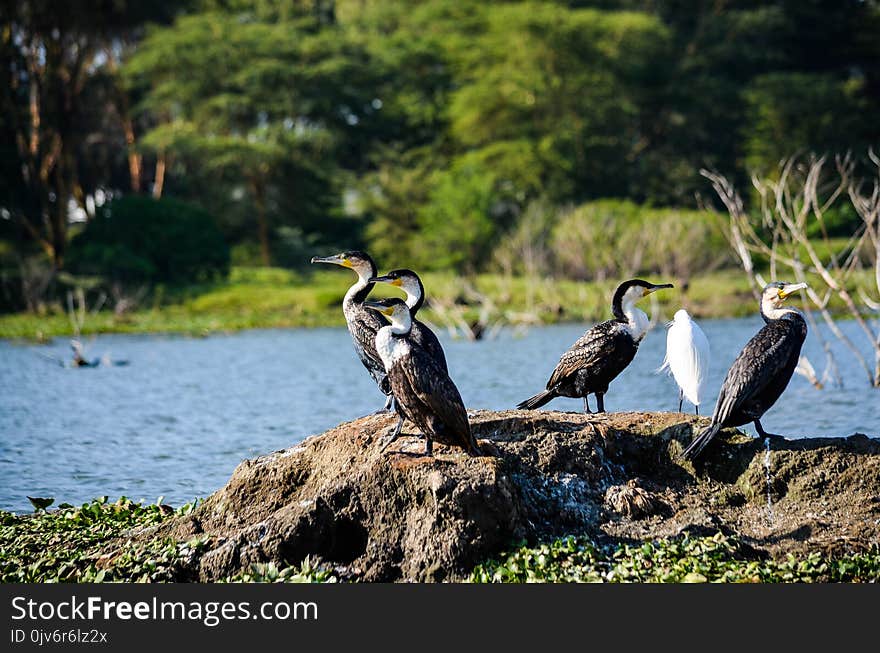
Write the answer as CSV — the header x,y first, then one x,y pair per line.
x,y
790,289
336,259
655,288
386,279
379,307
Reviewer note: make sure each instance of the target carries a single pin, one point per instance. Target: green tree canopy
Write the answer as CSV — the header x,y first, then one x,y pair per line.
x,y
265,96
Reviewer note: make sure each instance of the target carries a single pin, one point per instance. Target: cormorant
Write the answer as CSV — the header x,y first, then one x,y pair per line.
x,y
423,392
762,370
362,323
687,358
79,359
409,282
601,353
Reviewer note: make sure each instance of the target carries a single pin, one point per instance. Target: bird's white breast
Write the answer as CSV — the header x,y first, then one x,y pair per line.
x,y
390,349
636,322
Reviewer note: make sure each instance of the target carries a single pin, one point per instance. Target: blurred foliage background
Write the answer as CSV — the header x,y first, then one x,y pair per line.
x,y
157,143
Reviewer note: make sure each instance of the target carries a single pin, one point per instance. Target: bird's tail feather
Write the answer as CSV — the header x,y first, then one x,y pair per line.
x,y
537,401
699,443
664,367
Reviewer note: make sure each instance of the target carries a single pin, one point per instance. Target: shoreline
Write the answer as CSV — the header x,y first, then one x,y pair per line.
x,y
273,299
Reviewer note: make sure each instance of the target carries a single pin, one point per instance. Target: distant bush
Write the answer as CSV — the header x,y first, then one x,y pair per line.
x,y
682,243
598,240
141,240
611,239
525,249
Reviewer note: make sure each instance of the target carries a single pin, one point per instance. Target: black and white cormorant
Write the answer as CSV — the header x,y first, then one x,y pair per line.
x,y
362,324
423,392
411,284
762,370
601,353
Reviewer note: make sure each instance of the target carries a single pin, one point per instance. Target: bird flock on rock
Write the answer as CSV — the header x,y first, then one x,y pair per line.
x,y
407,362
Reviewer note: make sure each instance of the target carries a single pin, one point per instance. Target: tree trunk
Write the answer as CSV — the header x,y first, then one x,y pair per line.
x,y
259,191
58,219
59,235
159,180
134,158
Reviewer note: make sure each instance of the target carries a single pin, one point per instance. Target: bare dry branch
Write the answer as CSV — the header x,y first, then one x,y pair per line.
x,y
789,206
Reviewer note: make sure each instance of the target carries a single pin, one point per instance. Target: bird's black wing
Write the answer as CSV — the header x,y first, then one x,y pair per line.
x,y
427,340
758,365
591,348
363,326
433,388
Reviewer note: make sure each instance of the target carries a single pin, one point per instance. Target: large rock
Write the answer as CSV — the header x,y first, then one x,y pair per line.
x,y
399,515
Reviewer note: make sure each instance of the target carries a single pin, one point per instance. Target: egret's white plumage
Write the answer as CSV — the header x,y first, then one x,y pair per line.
x,y
687,357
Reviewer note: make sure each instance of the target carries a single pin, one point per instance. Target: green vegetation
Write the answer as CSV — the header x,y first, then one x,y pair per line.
x,y
717,559
271,297
93,543
276,298
141,240
61,545
96,542
614,239
306,572
440,134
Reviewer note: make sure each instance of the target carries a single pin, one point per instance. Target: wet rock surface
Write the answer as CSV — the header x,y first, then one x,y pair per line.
x,y
398,515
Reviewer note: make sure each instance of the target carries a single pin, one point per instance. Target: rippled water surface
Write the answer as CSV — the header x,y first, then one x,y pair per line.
x,y
185,412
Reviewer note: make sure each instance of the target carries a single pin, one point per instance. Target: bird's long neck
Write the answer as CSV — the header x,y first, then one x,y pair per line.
x,y
415,295
635,318
362,287
400,328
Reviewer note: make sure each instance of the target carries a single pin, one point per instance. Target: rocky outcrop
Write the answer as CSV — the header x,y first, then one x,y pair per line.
x,y
398,515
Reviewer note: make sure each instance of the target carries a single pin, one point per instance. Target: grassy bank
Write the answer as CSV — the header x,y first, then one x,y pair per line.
x,y
92,543
272,297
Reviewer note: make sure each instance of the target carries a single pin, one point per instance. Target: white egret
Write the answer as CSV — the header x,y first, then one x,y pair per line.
x,y
687,358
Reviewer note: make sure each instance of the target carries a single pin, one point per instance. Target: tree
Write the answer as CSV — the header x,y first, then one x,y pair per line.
x,y
54,90
556,90
140,240
268,92
789,113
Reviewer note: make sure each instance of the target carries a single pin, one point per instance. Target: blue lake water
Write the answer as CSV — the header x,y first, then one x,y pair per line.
x,y
185,412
